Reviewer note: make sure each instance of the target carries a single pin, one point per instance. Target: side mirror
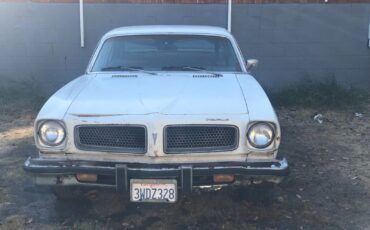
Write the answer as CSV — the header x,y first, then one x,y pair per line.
x,y
251,63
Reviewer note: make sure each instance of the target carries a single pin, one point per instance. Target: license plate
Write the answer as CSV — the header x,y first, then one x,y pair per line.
x,y
144,190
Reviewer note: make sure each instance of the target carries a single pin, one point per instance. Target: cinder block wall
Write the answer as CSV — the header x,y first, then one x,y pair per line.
x,y
305,40
40,39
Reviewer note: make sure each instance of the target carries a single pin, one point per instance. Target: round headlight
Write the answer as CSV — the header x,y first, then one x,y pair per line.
x,y
261,135
51,133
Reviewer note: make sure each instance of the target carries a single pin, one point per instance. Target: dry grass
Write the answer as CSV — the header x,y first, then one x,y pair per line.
x,y
19,99
327,94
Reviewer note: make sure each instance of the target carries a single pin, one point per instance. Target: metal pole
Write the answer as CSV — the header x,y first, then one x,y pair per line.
x,y
368,37
229,5
82,25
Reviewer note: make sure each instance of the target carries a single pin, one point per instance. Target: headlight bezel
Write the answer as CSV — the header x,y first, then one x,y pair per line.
x,y
44,144
273,136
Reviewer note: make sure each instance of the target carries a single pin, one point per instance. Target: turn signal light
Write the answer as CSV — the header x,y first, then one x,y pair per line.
x,y
86,177
223,178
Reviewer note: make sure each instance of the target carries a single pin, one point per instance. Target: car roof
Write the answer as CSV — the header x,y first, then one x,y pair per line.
x,y
168,29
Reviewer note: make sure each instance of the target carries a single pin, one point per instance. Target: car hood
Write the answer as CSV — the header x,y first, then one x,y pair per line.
x,y
171,93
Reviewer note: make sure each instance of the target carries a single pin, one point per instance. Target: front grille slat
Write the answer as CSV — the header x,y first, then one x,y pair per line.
x,y
111,138
200,138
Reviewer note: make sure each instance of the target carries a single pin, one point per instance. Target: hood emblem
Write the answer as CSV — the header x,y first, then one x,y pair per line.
x,y
217,119
155,137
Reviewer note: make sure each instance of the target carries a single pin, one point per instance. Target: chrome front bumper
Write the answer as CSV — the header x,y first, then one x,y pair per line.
x,y
54,172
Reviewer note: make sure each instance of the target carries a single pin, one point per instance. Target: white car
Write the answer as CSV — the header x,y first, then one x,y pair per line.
x,y
160,110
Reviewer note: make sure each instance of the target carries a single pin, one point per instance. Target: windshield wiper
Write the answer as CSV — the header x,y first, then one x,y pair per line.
x,y
200,69
127,68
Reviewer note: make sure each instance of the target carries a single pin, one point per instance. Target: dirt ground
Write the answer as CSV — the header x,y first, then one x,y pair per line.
x,y
328,187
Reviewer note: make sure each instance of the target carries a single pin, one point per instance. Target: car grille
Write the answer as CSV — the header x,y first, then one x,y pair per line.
x,y
113,138
199,138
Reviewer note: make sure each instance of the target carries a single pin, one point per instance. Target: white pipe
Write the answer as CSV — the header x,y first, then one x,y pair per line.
x,y
229,5
368,37
82,25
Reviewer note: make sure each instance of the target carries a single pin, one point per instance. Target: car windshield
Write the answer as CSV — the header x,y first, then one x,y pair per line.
x,y
167,53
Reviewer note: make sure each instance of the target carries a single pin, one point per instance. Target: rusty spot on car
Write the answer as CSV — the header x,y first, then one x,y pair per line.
x,y
96,115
